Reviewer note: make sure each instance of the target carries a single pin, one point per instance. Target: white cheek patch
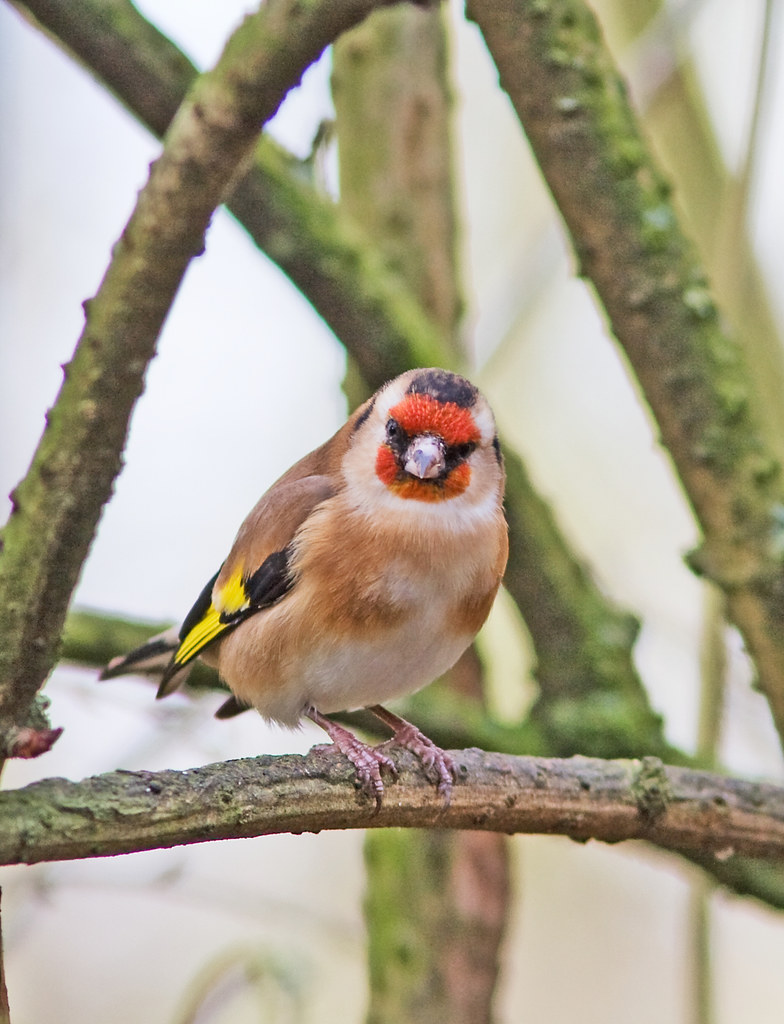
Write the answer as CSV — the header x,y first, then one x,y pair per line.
x,y
391,395
485,423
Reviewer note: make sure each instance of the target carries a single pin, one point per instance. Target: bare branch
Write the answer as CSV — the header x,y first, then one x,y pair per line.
x,y
122,812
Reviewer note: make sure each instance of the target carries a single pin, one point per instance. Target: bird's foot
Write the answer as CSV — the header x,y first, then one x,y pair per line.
x,y
433,758
368,761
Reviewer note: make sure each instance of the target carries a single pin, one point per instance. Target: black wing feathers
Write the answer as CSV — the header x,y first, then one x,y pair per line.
x,y
200,608
268,584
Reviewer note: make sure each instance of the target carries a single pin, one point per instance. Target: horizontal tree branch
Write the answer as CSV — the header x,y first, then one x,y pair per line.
x,y
449,719
677,809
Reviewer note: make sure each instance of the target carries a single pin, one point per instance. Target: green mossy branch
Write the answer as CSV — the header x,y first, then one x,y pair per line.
x,y
392,90
711,198
93,638
573,106
591,699
323,252
410,966
122,812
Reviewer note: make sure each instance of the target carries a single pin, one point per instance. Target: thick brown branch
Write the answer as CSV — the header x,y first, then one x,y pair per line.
x,y
572,104
57,506
122,812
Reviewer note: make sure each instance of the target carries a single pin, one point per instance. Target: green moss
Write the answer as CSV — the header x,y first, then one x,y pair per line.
x,y
734,398
404,908
651,788
606,725
656,226
559,57
699,301
764,468
628,157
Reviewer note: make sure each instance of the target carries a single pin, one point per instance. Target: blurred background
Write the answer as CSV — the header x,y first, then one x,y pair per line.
x,y
248,379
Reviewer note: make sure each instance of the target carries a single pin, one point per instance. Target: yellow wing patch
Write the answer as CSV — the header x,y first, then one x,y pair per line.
x,y
232,598
205,630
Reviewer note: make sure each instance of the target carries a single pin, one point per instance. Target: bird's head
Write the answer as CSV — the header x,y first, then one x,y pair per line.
x,y
429,436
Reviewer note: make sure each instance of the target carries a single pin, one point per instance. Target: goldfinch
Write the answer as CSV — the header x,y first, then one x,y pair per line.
x,y
361,575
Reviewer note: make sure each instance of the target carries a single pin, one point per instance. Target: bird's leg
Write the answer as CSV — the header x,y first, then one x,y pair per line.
x,y
408,736
367,760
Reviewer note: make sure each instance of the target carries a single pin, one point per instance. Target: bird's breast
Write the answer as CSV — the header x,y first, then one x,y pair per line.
x,y
374,613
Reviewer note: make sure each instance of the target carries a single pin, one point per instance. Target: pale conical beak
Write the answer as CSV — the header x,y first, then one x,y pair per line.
x,y
425,457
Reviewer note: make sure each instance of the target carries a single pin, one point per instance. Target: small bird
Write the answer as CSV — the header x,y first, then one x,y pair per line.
x,y
361,575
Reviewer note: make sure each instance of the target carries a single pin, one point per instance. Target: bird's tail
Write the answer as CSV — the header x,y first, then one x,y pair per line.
x,y
152,659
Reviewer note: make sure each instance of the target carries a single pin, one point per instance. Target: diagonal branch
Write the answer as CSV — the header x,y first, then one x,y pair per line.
x,y
122,812
323,253
57,506
572,104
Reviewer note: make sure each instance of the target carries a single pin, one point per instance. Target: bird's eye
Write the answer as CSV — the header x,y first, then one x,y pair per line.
x,y
464,450
393,430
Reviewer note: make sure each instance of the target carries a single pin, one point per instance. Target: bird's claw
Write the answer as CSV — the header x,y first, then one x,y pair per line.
x,y
369,763
433,758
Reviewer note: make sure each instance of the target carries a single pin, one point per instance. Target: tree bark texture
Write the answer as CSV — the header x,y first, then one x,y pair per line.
x,y
436,913
697,813
675,114
393,103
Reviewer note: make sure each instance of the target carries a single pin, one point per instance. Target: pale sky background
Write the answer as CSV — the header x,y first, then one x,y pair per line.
x,y
246,381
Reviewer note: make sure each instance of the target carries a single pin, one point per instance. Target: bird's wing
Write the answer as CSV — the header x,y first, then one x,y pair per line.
x,y
256,574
